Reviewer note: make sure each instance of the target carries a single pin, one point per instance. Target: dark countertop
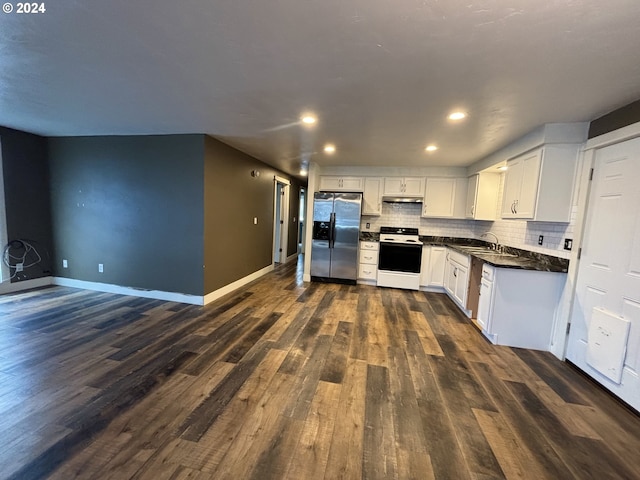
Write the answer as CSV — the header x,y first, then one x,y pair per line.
x,y
522,259
369,236
514,258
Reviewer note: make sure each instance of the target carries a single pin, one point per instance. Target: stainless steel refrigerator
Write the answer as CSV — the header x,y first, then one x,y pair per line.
x,y
336,232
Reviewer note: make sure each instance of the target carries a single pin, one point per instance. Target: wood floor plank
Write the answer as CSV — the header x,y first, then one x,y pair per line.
x,y
346,452
207,453
524,426
412,455
309,460
476,450
379,455
334,367
515,460
358,349
257,431
578,453
445,452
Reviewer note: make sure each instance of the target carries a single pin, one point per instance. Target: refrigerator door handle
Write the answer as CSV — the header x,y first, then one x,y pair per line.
x,y
332,231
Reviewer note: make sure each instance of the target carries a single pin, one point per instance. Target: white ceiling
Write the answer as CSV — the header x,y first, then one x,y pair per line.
x,y
381,75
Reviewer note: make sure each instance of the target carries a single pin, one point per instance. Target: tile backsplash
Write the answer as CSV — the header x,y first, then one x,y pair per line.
x,y
408,215
514,233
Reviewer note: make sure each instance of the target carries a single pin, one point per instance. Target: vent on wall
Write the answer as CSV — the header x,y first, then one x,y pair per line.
x,y
607,343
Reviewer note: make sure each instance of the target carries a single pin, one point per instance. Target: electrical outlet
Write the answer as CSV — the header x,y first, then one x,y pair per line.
x,y
100,268
255,220
19,267
65,264
540,239
368,225
568,243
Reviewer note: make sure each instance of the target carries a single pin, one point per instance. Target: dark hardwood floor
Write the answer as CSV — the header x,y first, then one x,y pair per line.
x,y
287,380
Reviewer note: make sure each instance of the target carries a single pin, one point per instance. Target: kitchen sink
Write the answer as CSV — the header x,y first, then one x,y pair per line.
x,y
485,251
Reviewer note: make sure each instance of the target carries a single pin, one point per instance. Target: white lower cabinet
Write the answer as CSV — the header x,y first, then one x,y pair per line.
x,y
517,307
433,266
457,277
368,261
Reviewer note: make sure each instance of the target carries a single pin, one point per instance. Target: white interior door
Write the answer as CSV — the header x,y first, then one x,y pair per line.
x,y
604,339
280,219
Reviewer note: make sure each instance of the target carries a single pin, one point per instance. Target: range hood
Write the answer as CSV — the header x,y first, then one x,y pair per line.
x,y
402,199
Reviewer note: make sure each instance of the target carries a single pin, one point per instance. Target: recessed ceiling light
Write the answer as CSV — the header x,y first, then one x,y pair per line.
x,y
431,148
457,115
329,148
309,119
303,172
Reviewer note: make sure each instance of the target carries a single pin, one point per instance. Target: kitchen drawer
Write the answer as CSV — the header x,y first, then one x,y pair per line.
x,y
369,246
460,258
367,272
488,272
369,257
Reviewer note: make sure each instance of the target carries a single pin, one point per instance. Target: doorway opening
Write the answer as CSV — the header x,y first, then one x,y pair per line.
x,y
280,215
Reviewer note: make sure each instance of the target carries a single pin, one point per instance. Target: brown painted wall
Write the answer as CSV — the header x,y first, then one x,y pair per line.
x,y
614,120
233,246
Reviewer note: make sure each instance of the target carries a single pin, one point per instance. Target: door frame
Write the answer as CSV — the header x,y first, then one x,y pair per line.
x,y
302,209
281,214
560,335
5,272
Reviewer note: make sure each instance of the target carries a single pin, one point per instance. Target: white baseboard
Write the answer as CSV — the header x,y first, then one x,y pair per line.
x,y
210,297
136,292
432,289
291,258
25,285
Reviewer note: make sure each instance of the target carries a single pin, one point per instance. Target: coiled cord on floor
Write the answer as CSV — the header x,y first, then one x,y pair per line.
x,y
11,255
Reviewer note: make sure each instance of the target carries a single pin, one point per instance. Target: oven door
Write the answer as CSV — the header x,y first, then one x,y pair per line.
x,y
400,257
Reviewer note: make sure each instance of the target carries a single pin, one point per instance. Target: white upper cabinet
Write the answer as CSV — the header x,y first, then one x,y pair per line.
x,y
404,186
482,196
444,197
539,184
372,197
335,183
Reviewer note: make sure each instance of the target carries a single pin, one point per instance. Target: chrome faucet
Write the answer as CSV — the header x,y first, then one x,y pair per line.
x,y
494,245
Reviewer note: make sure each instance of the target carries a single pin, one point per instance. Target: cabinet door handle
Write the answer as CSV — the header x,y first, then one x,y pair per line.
x,y
473,210
455,271
515,207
